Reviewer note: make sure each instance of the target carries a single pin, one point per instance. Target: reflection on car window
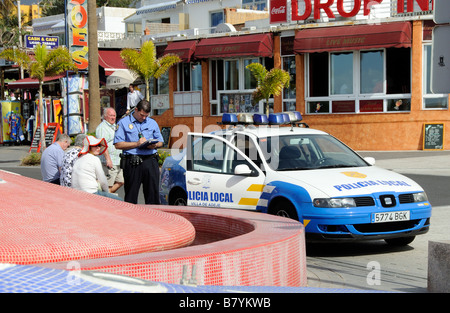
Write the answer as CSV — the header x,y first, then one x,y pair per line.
x,y
307,152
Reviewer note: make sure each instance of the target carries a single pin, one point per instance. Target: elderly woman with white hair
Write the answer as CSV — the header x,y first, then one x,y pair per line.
x,y
69,159
88,174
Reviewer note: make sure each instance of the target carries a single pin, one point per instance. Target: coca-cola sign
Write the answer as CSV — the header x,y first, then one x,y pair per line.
x,y
278,11
303,9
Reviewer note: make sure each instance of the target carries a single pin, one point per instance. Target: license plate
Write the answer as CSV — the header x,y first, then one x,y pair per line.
x,y
384,217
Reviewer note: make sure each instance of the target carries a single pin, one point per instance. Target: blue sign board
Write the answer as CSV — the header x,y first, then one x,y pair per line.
x,y
50,41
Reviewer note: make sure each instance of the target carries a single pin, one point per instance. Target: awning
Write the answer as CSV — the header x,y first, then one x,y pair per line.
x,y
157,7
258,45
110,60
120,79
184,49
356,37
31,83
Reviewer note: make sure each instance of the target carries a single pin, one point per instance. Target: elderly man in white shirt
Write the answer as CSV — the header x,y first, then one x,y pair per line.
x,y
133,97
111,158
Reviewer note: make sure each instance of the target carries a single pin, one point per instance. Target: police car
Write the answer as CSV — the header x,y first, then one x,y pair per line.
x,y
280,166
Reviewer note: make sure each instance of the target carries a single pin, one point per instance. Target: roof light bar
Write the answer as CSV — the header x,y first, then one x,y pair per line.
x,y
284,118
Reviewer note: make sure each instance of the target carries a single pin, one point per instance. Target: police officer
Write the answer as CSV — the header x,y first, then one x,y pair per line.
x,y
139,164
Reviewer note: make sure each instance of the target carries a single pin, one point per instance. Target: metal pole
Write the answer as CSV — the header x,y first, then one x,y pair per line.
x,y
19,18
67,72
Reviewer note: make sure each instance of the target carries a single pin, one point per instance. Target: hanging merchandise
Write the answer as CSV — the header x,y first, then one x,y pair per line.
x,y
15,126
30,127
73,109
8,108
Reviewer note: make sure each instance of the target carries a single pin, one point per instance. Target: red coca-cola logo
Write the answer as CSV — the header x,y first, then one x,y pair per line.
x,y
278,12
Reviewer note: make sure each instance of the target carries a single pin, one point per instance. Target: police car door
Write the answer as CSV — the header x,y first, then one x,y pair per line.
x,y
220,175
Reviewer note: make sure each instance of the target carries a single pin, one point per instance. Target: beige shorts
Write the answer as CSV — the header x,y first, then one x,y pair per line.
x,y
113,175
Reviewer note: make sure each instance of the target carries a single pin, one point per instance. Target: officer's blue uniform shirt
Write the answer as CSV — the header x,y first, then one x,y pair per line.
x,y
128,129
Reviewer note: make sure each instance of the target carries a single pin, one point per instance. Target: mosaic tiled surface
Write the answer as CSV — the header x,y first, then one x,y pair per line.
x,y
43,222
61,228
31,279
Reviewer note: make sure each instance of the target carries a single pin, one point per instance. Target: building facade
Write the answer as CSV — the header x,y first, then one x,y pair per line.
x,y
360,70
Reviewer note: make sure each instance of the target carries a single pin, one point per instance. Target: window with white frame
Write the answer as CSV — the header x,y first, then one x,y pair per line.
x,y
365,81
232,85
254,4
431,100
216,18
190,76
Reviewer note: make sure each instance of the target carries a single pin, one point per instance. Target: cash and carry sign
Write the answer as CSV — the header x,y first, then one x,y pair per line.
x,y
76,19
50,41
303,9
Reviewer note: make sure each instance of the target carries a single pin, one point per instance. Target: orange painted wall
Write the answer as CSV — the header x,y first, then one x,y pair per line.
x,y
383,131
362,131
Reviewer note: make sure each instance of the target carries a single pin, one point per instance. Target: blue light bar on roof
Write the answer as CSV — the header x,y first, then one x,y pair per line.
x,y
284,118
276,119
260,119
229,119
294,116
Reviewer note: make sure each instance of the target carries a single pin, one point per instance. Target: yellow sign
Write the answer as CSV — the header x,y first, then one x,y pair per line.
x,y
354,174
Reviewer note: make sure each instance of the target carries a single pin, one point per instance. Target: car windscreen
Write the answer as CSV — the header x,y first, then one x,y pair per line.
x,y
307,152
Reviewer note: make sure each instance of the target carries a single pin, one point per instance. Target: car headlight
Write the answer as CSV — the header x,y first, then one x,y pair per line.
x,y
334,202
420,197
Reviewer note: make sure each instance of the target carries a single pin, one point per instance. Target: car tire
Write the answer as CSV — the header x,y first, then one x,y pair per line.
x,y
284,208
402,241
179,197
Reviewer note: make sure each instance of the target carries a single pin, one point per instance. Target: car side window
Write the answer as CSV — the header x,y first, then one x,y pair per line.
x,y
208,155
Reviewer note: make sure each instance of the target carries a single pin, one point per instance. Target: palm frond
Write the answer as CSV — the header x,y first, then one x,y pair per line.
x,y
269,82
166,62
258,71
15,55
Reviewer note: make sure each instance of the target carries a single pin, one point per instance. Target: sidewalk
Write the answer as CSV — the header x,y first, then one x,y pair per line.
x,y
11,156
407,162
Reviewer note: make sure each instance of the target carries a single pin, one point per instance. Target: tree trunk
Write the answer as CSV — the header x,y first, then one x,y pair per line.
x,y
94,85
147,90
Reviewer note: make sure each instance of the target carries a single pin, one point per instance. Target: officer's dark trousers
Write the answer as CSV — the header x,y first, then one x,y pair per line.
x,y
147,174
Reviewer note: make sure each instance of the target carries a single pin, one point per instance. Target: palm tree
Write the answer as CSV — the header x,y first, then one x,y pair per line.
x,y
145,64
45,63
269,83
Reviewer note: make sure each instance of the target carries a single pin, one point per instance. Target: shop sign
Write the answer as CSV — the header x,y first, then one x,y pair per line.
x,y
278,12
50,41
279,9
76,18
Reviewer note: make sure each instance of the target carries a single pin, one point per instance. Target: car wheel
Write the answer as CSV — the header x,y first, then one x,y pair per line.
x,y
178,198
402,241
286,209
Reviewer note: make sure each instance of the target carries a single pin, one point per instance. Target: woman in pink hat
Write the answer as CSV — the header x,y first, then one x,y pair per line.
x,y
87,174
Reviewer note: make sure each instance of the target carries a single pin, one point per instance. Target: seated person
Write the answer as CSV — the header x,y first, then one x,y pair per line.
x,y
88,172
69,159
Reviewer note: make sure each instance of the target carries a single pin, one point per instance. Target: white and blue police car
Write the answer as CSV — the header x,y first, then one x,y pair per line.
x,y
280,166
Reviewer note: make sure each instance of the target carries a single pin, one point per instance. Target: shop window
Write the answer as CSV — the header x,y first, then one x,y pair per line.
x,y
290,92
319,107
231,69
232,85
359,81
318,74
371,72
249,79
341,73
398,70
430,100
190,76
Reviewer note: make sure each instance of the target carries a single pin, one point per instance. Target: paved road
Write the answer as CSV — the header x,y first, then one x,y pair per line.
x,y
366,265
